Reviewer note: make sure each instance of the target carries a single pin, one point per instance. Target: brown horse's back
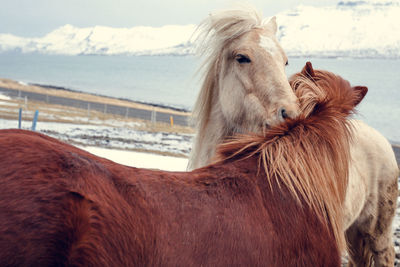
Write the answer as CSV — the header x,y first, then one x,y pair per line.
x,y
60,205
53,206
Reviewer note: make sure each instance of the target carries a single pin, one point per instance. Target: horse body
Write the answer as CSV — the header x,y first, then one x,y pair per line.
x,y
46,220
60,205
371,198
270,200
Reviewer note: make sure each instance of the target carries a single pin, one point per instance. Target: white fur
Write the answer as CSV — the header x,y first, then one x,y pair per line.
x,y
238,97
371,196
268,44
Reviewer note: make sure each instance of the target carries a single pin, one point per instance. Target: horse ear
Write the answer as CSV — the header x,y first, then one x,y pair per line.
x,y
308,70
360,92
272,25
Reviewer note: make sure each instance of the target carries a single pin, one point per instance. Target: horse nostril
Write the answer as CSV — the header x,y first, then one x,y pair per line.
x,y
284,114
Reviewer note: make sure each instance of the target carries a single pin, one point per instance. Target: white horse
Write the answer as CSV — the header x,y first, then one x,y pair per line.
x,y
245,88
371,196
252,93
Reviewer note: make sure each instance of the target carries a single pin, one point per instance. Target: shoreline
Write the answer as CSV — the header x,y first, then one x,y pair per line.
x,y
91,102
59,91
49,86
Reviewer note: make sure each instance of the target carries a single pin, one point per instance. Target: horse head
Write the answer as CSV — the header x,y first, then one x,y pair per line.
x,y
326,87
253,89
245,88
247,66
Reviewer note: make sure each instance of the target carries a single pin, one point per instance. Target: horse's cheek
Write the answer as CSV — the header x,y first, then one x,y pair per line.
x,y
254,109
231,101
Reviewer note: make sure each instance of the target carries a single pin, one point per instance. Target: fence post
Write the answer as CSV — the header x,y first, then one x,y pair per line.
x,y
153,116
35,120
20,118
126,112
171,118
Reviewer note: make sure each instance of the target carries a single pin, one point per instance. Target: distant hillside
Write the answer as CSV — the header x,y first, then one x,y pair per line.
x,y
349,29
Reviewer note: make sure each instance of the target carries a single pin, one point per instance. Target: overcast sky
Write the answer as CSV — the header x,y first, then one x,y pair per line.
x,y
37,17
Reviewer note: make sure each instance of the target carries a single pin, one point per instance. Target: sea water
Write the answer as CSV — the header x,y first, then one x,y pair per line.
x,y
172,80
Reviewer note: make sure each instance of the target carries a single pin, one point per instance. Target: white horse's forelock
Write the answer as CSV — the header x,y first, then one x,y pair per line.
x,y
224,26
268,44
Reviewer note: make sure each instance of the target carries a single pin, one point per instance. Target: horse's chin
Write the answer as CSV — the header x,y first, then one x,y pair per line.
x,y
273,122
257,128
260,128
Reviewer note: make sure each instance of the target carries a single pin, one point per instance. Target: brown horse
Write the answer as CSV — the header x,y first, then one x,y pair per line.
x,y
268,201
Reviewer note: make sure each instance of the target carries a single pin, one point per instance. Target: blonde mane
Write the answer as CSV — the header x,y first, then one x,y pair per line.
x,y
308,155
215,32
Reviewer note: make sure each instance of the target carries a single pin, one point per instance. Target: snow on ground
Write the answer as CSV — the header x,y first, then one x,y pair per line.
x,y
139,159
111,137
112,143
4,97
118,137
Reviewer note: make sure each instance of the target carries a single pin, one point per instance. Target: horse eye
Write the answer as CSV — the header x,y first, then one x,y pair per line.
x,y
287,63
242,59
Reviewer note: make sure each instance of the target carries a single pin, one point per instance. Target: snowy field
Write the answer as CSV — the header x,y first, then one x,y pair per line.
x,y
139,159
116,144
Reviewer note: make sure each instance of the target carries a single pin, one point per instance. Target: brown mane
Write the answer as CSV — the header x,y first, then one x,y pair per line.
x,y
309,155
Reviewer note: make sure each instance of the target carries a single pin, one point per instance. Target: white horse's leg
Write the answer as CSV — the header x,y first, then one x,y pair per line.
x,y
382,245
370,237
358,234
358,246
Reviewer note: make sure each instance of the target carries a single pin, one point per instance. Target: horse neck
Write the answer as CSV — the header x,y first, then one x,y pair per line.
x,y
207,138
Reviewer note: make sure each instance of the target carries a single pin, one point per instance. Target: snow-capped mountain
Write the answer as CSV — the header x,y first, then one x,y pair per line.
x,y
349,29
70,40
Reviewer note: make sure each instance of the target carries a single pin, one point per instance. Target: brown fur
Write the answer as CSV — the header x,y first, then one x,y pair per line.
x,y
60,205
